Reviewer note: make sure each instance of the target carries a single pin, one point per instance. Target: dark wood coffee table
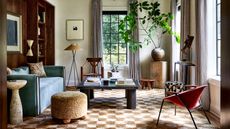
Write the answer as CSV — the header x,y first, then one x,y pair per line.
x,y
130,91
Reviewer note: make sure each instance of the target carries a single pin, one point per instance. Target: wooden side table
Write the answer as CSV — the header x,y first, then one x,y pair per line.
x,y
158,71
147,83
16,115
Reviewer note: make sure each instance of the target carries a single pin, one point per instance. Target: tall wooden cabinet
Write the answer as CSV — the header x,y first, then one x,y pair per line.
x,y
40,28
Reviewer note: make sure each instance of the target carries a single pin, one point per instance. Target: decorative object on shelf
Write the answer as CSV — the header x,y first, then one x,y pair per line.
x,y
74,48
158,54
30,43
41,16
14,33
39,52
74,29
39,31
16,113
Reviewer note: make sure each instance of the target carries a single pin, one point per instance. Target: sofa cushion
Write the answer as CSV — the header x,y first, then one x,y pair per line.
x,y
20,71
37,68
46,81
8,71
48,87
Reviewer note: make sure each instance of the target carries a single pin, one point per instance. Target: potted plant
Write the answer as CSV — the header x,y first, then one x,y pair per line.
x,y
153,23
114,68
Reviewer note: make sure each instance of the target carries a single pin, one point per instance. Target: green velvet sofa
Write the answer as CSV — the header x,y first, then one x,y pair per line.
x,y
36,95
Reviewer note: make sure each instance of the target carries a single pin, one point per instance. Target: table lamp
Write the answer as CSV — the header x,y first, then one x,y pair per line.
x,y
74,48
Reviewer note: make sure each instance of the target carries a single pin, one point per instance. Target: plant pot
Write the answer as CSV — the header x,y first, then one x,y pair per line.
x,y
158,54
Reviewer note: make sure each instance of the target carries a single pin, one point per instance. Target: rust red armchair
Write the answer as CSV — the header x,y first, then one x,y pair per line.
x,y
190,99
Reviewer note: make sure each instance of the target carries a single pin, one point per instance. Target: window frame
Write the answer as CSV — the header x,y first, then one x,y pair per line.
x,y
218,37
118,43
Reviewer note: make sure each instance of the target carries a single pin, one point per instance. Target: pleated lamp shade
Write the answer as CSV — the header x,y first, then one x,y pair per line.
x,y
72,47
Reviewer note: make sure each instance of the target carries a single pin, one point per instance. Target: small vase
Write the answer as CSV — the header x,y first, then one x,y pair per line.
x,y
158,54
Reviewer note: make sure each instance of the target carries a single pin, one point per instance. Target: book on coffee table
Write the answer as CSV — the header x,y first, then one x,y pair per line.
x,y
92,81
125,82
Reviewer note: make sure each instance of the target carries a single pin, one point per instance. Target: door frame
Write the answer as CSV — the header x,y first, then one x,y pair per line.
x,y
3,75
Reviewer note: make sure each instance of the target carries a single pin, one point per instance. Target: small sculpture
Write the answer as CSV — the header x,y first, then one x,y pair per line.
x,y
188,44
114,68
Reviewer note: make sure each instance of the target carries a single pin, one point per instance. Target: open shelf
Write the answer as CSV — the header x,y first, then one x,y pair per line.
x,y
41,30
41,39
41,23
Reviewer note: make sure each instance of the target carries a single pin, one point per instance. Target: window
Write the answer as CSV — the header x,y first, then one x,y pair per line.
x,y
114,48
178,28
218,36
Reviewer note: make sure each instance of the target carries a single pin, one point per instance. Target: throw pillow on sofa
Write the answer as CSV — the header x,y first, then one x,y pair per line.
x,y
37,68
20,71
8,71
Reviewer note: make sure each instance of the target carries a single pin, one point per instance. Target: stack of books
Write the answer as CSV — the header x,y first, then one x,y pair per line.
x,y
92,81
125,82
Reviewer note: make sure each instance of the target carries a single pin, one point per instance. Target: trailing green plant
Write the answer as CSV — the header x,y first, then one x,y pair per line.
x,y
153,23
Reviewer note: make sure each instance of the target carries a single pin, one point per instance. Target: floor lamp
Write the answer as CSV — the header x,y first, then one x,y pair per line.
x,y
74,48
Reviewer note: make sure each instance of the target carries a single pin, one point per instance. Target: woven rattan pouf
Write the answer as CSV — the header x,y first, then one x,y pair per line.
x,y
68,105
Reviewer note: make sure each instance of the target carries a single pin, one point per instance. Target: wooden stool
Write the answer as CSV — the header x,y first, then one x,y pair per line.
x,y
147,83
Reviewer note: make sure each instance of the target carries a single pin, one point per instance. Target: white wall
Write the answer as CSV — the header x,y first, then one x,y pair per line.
x,y
81,9
113,5
72,9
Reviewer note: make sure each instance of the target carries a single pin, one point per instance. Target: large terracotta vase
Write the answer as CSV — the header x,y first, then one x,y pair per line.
x,y
158,54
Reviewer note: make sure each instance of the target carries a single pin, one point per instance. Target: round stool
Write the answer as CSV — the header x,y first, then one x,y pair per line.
x,y
68,105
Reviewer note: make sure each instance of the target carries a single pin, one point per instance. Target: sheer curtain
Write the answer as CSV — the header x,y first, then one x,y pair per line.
x,y
185,25
201,49
176,26
97,28
134,58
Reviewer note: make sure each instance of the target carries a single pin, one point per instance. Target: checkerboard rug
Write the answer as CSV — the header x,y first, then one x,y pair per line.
x,y
108,111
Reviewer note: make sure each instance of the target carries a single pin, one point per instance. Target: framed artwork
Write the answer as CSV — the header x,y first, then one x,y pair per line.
x,y
74,29
14,33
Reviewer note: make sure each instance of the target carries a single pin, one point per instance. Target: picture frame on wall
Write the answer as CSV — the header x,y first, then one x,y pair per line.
x,y
14,33
74,29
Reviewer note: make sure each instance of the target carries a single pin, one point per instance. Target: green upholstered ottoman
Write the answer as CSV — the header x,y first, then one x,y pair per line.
x,y
69,105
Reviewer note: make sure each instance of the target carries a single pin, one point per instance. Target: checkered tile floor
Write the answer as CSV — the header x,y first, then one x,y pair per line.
x,y
108,111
